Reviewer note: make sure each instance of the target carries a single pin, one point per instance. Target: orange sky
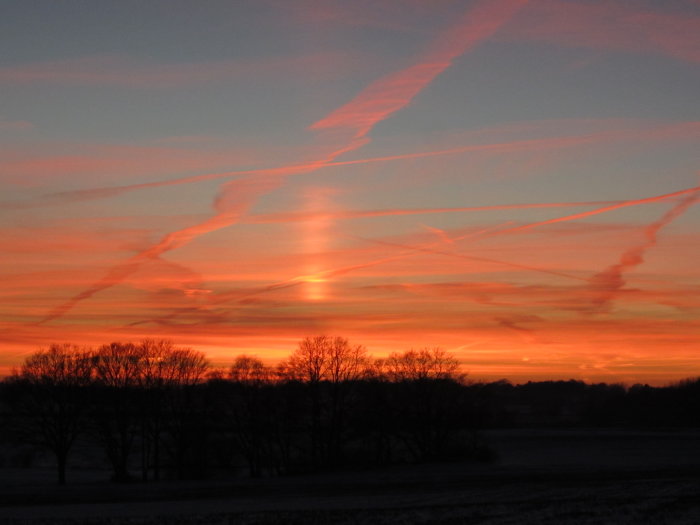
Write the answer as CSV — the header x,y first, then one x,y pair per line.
x,y
513,181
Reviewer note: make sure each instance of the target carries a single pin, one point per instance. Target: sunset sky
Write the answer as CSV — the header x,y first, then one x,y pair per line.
x,y
514,181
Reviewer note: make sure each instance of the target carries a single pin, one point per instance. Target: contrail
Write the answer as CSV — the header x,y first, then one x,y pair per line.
x,y
169,242
413,250
440,233
286,283
429,249
604,209
301,279
408,251
359,214
629,259
374,104
528,334
488,232
297,169
611,280
393,92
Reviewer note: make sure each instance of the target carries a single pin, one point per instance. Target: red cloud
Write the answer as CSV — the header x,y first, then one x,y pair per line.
x,y
393,92
382,99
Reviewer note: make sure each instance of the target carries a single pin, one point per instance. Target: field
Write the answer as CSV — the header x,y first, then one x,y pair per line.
x,y
541,476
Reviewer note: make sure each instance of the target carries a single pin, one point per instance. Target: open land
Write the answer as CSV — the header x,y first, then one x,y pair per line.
x,y
540,476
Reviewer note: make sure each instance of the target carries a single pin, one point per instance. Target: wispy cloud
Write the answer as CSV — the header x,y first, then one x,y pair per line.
x,y
609,26
127,72
360,214
635,202
160,159
393,92
84,164
15,125
79,163
403,250
378,102
607,284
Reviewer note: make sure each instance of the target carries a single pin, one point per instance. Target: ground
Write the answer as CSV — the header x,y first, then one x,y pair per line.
x,y
541,476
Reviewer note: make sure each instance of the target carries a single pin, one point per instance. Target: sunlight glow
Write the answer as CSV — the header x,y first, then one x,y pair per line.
x,y
318,204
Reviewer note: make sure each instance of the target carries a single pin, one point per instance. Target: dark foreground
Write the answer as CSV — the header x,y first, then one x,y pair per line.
x,y
558,477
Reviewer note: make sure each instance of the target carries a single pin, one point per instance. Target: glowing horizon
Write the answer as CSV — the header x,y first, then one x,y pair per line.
x,y
513,181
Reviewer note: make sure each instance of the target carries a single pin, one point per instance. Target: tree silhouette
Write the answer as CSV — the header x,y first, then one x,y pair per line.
x,y
429,402
248,408
118,367
144,390
249,370
153,380
328,365
186,409
163,367
420,365
324,406
47,394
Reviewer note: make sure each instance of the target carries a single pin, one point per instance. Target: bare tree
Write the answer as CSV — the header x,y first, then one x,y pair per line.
x,y
324,358
118,364
428,389
327,364
47,393
249,370
186,409
118,373
154,378
186,367
247,408
426,363
141,391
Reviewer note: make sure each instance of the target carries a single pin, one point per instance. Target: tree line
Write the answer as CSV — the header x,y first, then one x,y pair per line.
x,y
154,409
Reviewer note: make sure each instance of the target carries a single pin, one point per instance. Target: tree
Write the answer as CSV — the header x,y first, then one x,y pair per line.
x,y
153,379
161,367
247,409
324,358
185,408
249,370
426,363
118,371
327,365
47,394
143,390
428,401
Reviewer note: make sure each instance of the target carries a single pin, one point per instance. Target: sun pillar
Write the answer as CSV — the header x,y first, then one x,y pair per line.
x,y
318,203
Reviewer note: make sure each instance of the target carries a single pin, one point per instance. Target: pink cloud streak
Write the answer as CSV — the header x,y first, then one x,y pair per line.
x,y
125,72
413,250
393,92
360,214
673,131
604,209
608,283
608,26
235,198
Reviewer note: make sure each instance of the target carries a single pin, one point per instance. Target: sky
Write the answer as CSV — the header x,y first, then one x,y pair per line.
x,y
514,181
